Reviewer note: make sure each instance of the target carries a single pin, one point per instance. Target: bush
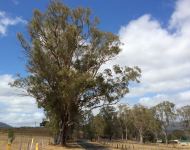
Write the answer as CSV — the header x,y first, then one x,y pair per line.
x,y
11,136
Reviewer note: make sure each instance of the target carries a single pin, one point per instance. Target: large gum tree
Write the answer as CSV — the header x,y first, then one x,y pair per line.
x,y
64,55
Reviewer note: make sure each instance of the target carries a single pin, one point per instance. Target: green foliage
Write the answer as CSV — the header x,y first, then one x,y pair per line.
x,y
125,119
98,124
11,136
134,122
184,115
63,63
165,113
88,126
109,115
143,120
149,136
137,122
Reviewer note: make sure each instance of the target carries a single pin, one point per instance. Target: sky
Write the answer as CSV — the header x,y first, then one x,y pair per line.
x,y
155,36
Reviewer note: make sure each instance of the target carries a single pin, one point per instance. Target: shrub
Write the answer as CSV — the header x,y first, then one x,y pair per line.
x,y
11,136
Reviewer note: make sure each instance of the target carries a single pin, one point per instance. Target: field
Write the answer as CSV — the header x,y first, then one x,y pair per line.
x,y
24,136
137,146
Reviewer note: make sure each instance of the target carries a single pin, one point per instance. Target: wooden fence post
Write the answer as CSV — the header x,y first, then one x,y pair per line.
x,y
28,145
37,146
20,147
8,146
42,144
31,144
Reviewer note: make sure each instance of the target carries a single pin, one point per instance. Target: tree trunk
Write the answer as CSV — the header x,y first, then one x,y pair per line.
x,y
156,136
140,136
64,135
166,137
122,135
126,134
64,129
57,138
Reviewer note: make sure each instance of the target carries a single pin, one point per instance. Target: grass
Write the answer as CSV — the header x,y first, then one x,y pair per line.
x,y
29,131
137,146
23,138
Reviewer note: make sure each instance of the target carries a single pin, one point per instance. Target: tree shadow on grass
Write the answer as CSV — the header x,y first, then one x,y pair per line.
x,y
91,145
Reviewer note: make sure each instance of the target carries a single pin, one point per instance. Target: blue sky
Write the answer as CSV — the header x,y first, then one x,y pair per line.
x,y
155,34
113,15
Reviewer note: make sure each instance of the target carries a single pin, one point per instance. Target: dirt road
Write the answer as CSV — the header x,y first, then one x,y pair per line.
x,y
91,145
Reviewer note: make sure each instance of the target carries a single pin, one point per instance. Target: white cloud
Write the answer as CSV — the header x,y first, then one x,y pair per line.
x,y
162,54
179,99
15,109
6,21
152,101
181,17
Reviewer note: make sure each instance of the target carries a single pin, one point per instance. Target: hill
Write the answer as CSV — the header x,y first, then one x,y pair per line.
x,y
4,125
28,131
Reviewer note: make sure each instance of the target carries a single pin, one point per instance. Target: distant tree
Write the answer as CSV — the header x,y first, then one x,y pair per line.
x,y
125,118
98,124
88,127
142,118
155,124
166,113
109,115
44,123
184,115
11,136
63,63
177,134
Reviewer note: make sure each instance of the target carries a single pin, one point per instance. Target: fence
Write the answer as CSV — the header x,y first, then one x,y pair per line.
x,y
25,143
137,146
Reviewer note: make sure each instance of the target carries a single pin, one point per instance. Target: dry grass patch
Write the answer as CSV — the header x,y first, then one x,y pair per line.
x,y
23,141
137,146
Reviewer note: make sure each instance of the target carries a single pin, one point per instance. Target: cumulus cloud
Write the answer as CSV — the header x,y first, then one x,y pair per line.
x,y
6,21
15,109
180,99
161,52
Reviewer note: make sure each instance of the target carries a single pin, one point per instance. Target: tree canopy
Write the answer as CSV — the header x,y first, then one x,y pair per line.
x,y
63,58
139,122
165,112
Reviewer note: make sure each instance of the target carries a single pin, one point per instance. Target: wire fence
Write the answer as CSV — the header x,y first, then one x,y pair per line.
x,y
137,146
25,143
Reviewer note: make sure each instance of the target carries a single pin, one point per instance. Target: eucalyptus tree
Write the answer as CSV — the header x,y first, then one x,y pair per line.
x,y
125,118
87,125
142,120
112,128
63,59
166,113
184,115
155,124
98,126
